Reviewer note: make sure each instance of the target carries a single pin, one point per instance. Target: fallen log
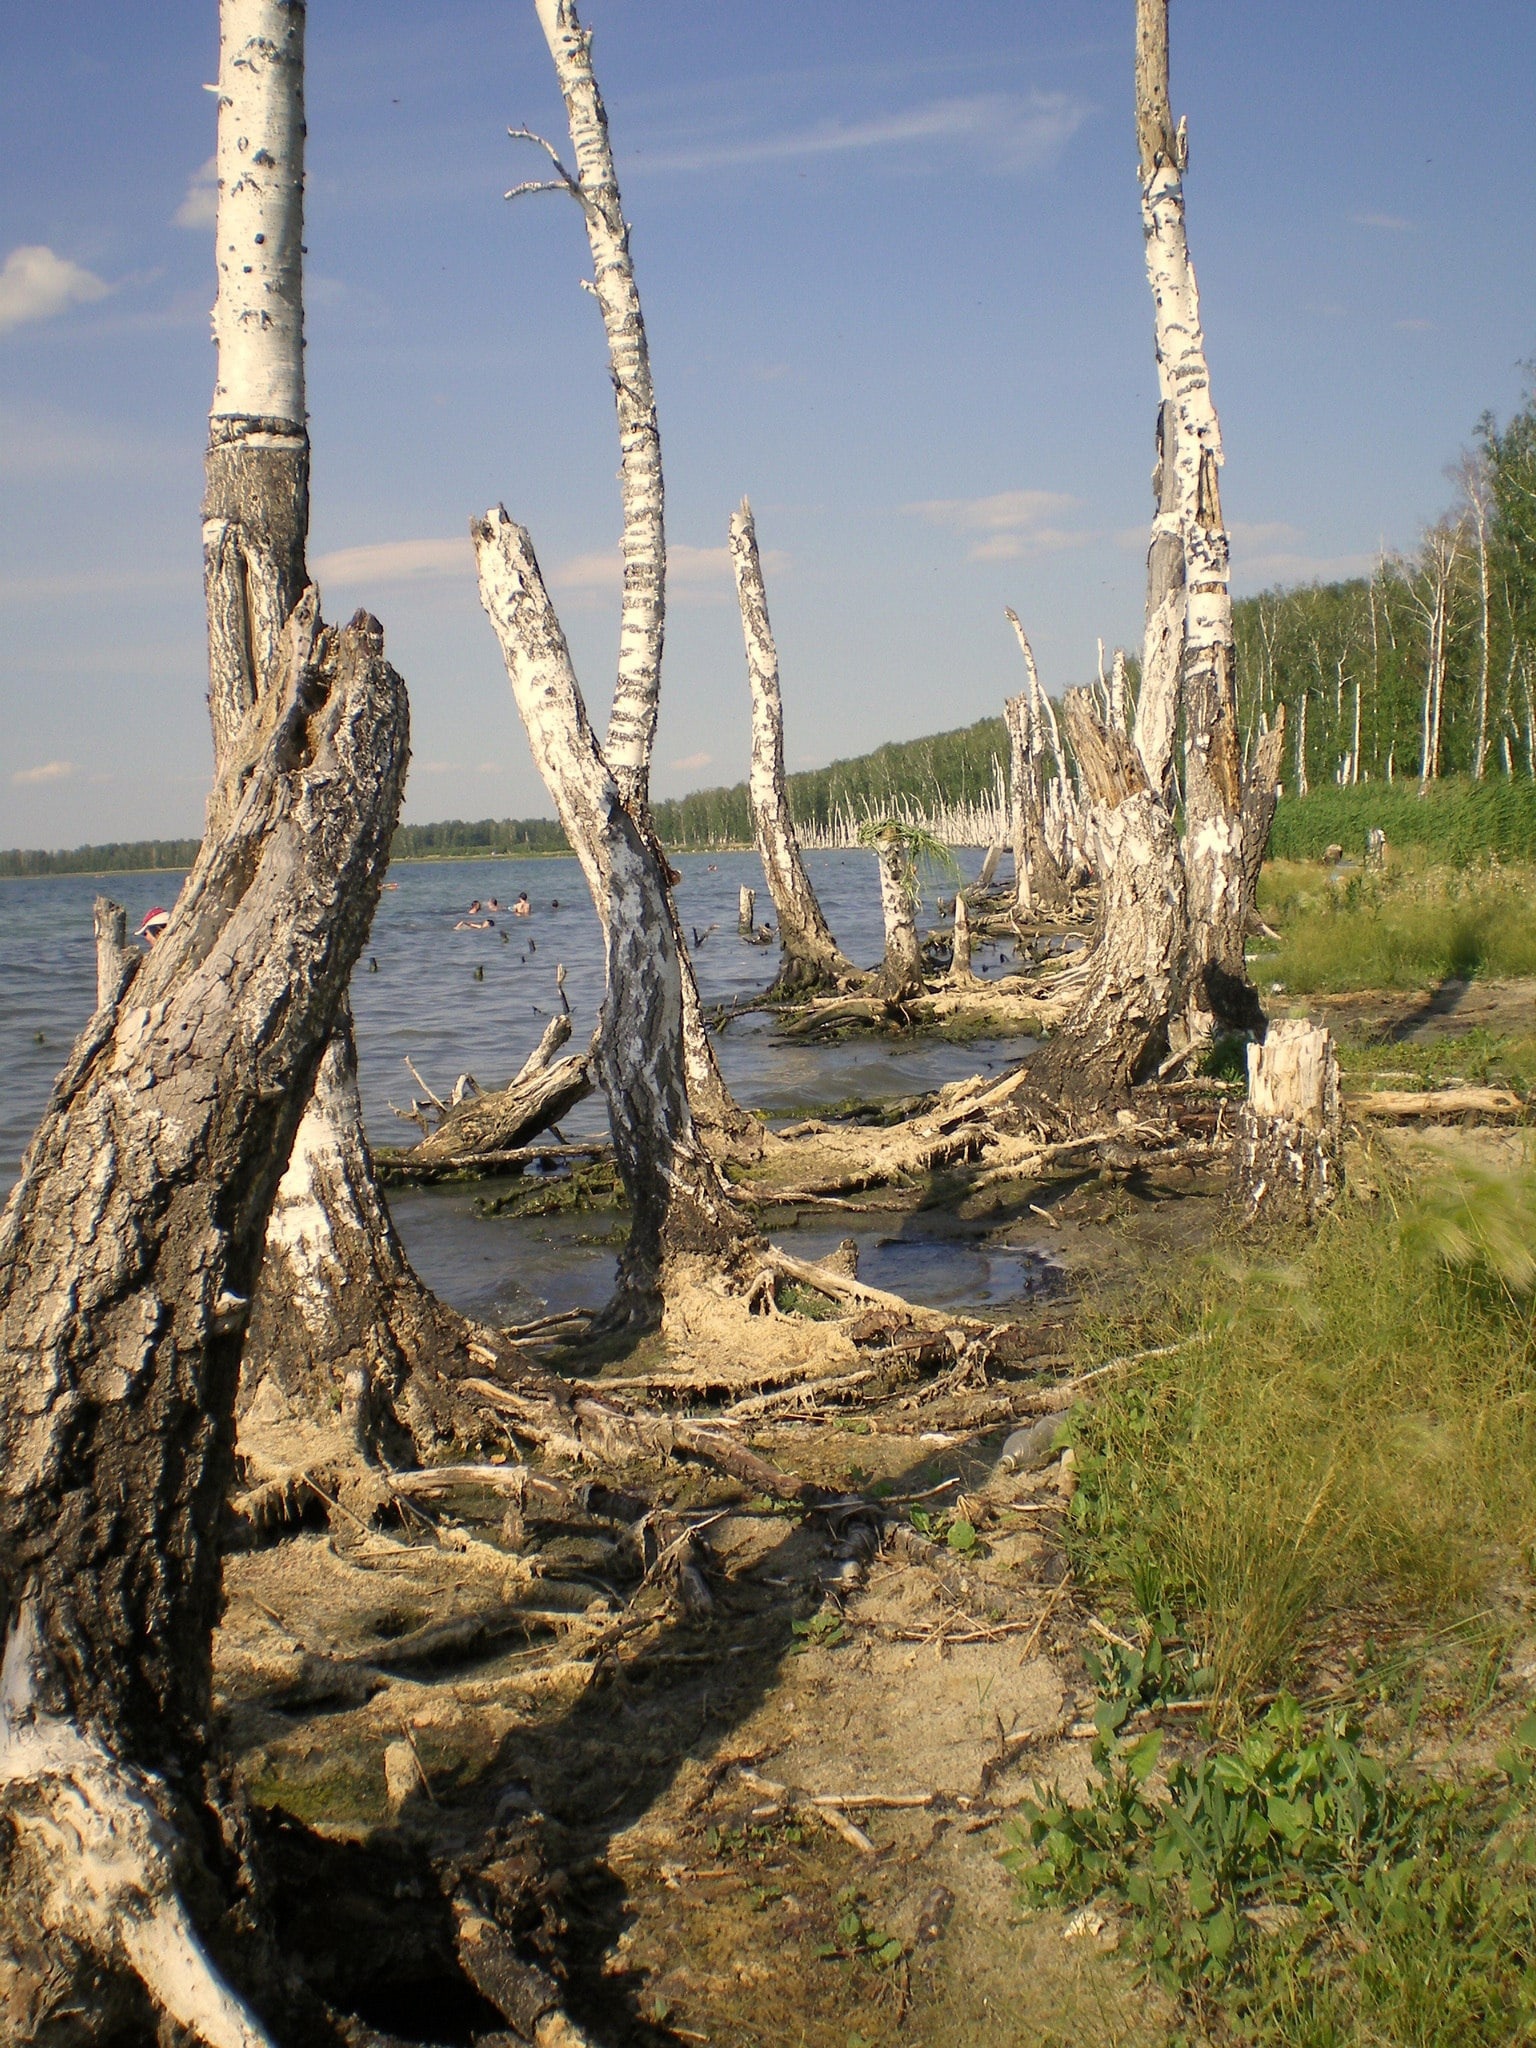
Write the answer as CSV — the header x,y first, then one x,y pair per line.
x,y
1431,1105
409,1165
544,1090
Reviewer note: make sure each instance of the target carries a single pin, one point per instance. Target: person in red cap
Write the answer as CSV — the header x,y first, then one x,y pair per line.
x,y
153,925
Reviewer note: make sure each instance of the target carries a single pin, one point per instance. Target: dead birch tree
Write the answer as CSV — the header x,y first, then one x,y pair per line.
x,y
1118,1032
632,717
341,1326
1039,883
808,954
679,1205
128,1255
1189,503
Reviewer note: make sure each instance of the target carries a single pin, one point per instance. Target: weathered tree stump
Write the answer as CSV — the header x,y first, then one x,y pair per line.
x,y
900,975
1287,1162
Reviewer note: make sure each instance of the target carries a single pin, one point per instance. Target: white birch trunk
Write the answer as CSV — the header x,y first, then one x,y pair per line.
x,y
901,973
1040,884
678,1202
808,953
1213,853
632,719
1288,1159
960,972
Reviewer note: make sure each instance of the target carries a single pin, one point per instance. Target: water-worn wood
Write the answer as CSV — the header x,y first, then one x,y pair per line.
x,y
1040,887
542,1092
678,1202
128,1254
1287,1159
808,954
1119,1030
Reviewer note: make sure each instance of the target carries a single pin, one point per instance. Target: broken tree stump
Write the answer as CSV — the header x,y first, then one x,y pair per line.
x,y
1287,1161
540,1094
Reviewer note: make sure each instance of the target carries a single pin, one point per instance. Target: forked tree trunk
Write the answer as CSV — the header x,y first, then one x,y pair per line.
x,y
901,971
1288,1162
1119,1030
808,953
1040,883
1218,991
339,1320
128,1254
679,1205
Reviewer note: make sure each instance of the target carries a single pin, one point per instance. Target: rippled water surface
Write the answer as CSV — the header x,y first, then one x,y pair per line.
x,y
476,1001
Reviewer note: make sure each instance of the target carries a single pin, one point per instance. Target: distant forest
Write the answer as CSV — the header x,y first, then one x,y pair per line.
x,y
1423,672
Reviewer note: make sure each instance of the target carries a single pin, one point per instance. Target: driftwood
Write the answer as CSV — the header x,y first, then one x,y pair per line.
x,y
1287,1159
539,1095
1433,1105
408,1165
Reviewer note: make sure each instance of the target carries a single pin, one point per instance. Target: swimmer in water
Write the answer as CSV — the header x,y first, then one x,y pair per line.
x,y
473,924
491,903
153,926
522,907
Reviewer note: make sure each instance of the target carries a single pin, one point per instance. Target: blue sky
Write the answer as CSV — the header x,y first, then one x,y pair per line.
x,y
891,261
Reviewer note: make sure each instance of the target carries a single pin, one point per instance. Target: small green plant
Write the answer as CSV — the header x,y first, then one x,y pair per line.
x,y
1130,1675
859,1937
825,1630
1295,1872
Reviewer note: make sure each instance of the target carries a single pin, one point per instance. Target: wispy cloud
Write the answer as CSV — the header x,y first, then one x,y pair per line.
x,y
1389,223
1014,131
1413,326
399,561
48,771
690,761
199,206
1010,525
1267,551
694,575
36,284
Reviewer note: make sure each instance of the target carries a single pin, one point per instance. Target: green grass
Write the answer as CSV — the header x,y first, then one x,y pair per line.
x,y
1457,820
1493,1058
1353,1428
1398,928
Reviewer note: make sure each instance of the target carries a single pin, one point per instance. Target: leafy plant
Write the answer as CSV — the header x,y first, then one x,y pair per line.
x,y
1294,1841
858,1936
1130,1675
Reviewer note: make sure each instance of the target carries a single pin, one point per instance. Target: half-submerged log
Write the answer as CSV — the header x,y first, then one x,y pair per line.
x,y
1287,1161
679,1205
540,1094
128,1254
1118,1032
808,954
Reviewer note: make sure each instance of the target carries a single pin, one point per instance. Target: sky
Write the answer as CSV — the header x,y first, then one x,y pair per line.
x,y
890,258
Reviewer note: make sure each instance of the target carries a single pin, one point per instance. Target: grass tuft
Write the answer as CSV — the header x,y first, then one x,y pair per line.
x,y
1395,928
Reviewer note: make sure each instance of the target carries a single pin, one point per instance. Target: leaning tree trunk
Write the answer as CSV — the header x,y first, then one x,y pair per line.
x,y
808,953
1219,993
679,1205
339,1319
128,1254
1261,795
1041,886
642,622
1118,1032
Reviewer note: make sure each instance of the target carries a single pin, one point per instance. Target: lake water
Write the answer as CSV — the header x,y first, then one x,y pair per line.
x,y
416,994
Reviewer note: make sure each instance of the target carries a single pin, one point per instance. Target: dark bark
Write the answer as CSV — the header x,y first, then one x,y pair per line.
x,y
128,1256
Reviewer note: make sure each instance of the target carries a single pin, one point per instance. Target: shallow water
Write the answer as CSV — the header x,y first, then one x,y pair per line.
x,y
416,994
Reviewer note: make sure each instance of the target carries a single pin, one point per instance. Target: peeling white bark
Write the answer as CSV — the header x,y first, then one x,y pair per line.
x,y
632,720
258,319
1039,882
677,1197
901,974
1189,498
809,955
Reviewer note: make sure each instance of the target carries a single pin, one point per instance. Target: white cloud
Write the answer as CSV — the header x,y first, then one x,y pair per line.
x,y
399,561
1413,326
694,761
199,206
1391,223
1013,525
49,771
35,284
1016,132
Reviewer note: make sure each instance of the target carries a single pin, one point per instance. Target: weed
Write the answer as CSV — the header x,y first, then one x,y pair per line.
x,y
1316,1895
1355,1425
857,1936
1400,928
